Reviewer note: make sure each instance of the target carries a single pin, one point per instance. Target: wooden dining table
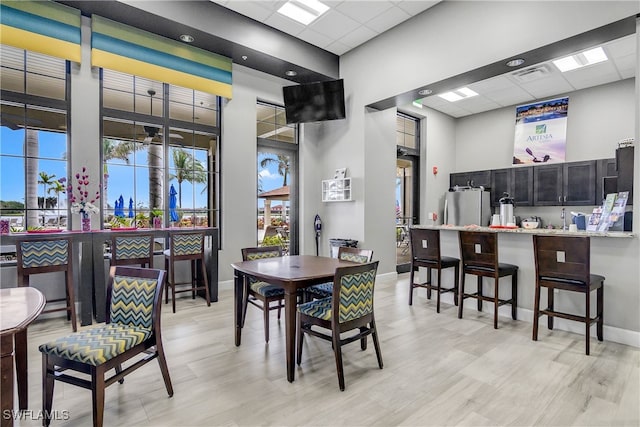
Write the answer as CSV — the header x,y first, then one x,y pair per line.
x,y
290,273
18,308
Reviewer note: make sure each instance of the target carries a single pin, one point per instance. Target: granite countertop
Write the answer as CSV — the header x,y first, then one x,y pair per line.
x,y
528,231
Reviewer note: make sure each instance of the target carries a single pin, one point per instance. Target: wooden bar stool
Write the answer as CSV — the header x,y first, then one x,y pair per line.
x,y
479,251
563,262
425,252
37,255
132,250
186,246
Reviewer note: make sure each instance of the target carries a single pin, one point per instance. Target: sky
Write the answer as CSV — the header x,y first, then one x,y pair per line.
x,y
269,177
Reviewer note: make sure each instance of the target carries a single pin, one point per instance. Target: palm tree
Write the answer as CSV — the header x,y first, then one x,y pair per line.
x,y
46,180
115,149
283,165
57,187
187,169
32,148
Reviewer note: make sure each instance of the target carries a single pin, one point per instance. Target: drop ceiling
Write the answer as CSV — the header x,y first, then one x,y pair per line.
x,y
345,26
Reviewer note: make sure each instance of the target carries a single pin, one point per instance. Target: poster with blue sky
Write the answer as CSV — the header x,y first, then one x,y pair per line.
x,y
541,132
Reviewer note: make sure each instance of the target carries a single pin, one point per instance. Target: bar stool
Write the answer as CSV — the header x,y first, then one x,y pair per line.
x,y
563,262
425,252
47,255
479,251
132,250
186,246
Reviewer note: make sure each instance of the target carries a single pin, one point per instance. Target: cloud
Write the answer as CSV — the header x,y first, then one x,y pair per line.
x,y
266,173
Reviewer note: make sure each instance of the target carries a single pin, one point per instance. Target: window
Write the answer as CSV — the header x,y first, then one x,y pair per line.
x,y
33,140
159,151
277,216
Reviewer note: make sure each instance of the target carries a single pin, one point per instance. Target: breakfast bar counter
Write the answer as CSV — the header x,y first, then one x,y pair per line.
x,y
529,231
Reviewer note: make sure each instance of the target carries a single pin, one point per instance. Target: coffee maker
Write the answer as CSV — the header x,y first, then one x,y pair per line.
x,y
506,210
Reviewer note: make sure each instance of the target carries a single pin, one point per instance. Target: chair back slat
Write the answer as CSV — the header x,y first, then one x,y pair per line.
x,y
133,296
132,247
361,256
353,291
562,257
479,249
261,252
184,244
425,244
43,253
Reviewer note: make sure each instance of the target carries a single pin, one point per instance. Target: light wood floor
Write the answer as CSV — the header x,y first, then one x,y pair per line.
x,y
438,370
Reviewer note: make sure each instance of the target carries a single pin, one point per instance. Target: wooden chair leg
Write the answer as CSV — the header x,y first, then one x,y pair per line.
x,y
162,361
536,312
600,304
479,293
300,334
550,302
411,284
194,279
461,295
429,283
207,296
97,394
363,340
71,304
514,295
265,312
280,302
587,319
48,382
166,288
438,290
172,284
456,283
337,351
376,344
496,301
118,370
20,357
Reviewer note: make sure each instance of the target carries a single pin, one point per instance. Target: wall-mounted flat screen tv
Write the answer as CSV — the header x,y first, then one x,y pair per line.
x,y
314,102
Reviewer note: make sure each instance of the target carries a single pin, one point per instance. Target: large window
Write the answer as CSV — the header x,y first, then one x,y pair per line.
x,y
159,151
33,139
277,216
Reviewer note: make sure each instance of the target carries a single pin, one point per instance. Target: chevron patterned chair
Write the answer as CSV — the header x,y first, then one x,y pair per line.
x,y
134,299
127,249
261,291
186,246
37,255
324,290
350,307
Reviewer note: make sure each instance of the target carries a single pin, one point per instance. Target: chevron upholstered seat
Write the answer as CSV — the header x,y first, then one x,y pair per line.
x,y
261,291
134,299
361,256
132,250
349,308
36,255
186,246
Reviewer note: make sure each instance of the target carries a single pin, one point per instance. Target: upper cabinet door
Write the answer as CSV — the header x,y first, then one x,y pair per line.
x,y
500,183
579,183
547,187
521,188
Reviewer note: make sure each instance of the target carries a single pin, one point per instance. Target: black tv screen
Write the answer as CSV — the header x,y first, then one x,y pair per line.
x,y
314,102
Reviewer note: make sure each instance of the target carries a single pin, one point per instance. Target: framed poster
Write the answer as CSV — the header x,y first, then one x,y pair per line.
x,y
541,132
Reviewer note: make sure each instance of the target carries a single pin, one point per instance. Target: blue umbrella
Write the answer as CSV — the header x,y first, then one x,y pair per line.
x,y
173,203
130,207
120,207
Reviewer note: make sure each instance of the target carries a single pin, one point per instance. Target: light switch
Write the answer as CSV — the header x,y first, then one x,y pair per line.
x,y
560,256
424,244
478,248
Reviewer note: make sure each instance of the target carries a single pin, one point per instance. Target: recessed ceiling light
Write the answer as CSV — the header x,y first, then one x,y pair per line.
x,y
458,94
303,11
425,92
515,62
588,57
186,38
291,73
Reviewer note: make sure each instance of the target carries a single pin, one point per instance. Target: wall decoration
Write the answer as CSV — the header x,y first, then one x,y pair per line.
x,y
541,132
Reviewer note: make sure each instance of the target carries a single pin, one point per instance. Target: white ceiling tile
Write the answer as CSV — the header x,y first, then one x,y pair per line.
x,y
252,9
390,18
626,66
621,47
415,7
548,86
285,24
315,38
511,96
334,24
363,11
338,48
594,75
358,36
492,84
477,104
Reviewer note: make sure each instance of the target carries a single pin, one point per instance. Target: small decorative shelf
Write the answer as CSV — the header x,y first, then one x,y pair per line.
x,y
336,190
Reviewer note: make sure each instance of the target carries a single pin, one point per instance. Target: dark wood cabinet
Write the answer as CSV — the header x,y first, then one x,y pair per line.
x,y
547,185
624,166
518,182
605,171
579,183
471,179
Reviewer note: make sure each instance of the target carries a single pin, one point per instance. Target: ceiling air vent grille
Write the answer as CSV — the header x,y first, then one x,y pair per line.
x,y
532,73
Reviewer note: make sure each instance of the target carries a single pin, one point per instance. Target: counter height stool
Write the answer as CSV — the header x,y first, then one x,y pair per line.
x,y
562,262
425,252
37,255
479,252
132,250
186,246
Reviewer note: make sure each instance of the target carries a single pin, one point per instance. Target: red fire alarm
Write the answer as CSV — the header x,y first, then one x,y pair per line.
x,y
435,170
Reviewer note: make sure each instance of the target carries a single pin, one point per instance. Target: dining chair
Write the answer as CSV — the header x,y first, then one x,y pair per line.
x,y
132,250
255,290
479,253
186,246
349,308
425,252
132,327
37,255
324,290
563,263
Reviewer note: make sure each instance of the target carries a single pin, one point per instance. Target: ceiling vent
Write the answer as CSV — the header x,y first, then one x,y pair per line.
x,y
532,73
